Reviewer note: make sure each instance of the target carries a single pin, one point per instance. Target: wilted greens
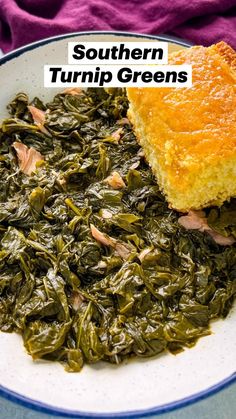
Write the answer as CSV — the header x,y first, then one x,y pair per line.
x,y
93,264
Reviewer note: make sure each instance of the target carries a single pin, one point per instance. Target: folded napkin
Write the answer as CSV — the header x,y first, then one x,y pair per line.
x,y
200,21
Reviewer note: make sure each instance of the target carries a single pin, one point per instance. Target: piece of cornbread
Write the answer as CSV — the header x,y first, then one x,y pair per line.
x,y
189,134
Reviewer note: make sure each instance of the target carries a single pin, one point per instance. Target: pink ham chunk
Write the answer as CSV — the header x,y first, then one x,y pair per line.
x,y
72,91
123,121
39,118
196,220
117,134
27,157
122,249
115,181
101,237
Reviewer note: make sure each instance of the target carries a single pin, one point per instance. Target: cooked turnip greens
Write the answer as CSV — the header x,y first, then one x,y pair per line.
x,y
94,265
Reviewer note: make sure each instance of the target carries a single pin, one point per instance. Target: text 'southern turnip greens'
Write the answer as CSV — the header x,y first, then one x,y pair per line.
x,y
93,264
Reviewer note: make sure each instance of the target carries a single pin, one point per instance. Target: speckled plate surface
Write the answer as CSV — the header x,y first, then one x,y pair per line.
x,y
133,389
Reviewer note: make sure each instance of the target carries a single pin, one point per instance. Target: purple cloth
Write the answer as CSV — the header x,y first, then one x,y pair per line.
x,y
200,21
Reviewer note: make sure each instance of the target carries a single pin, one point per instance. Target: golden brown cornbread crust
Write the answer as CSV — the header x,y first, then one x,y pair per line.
x,y
189,134
227,53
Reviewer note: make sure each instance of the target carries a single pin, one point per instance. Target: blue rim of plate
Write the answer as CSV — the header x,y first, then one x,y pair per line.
x,y
56,411
13,54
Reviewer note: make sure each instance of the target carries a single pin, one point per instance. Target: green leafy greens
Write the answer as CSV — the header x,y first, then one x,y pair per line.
x,y
93,264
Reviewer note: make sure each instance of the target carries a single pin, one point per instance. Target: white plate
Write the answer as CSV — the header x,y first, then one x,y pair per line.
x,y
132,389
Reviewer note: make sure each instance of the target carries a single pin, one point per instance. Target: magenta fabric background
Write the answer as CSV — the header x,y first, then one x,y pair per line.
x,y
200,21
